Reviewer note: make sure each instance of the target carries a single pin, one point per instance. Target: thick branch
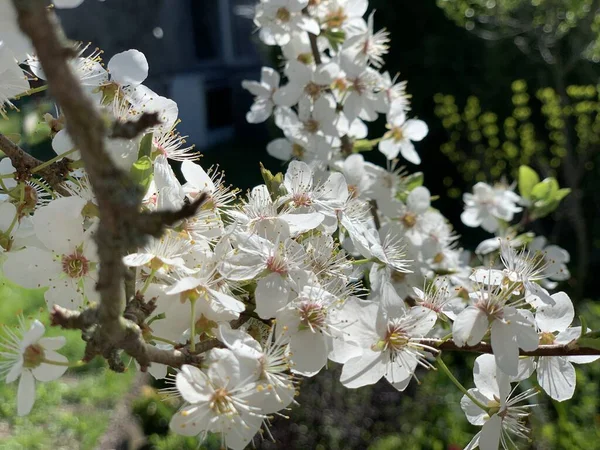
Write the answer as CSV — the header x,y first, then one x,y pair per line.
x,y
122,226
571,349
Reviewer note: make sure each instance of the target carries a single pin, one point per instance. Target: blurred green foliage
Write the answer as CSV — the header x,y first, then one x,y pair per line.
x,y
71,412
485,147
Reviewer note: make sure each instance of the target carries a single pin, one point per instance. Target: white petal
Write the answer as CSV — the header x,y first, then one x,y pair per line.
x,y
50,372
390,148
415,130
475,415
62,143
227,301
272,293
53,343
308,352
193,384
31,267
408,152
364,370
419,200
197,176
490,433
556,376
25,393
8,212
505,347
129,68
557,317
288,95
280,148
469,327
15,371
59,225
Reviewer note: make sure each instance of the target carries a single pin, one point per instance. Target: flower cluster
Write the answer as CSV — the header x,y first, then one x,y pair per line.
x,y
337,259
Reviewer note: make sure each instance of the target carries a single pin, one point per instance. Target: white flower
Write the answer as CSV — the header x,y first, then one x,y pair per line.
x,y
511,328
305,82
27,355
386,339
345,15
263,216
309,323
556,374
368,47
67,261
263,92
401,136
488,205
218,401
503,419
392,97
358,91
277,19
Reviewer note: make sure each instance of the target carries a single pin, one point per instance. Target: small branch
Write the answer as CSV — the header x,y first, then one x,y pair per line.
x,y
315,49
132,129
571,349
25,164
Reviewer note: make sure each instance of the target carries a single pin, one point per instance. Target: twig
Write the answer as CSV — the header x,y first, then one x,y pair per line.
x,y
570,349
24,164
131,129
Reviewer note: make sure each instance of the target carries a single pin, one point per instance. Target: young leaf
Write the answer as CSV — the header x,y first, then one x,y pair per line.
x,y
528,178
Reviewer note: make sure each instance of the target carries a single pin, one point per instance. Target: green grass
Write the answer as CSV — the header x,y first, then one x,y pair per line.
x,y
71,412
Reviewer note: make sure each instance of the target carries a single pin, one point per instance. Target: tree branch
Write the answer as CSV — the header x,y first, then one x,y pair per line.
x,y
122,226
24,163
570,349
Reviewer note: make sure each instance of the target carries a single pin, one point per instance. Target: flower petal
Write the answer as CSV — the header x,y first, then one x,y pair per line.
x,y
25,393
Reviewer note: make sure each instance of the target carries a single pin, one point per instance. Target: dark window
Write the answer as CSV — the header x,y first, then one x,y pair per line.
x,y
205,21
218,107
243,28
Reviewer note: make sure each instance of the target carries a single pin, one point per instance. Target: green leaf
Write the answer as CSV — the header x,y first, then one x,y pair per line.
x,y
142,172
528,178
145,146
365,145
562,193
414,181
545,191
274,183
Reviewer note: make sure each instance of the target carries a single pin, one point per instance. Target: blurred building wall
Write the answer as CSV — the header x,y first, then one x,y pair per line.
x,y
198,52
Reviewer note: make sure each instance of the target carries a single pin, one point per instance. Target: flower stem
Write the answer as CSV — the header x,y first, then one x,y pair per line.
x,y
148,281
358,262
193,326
64,364
460,387
53,160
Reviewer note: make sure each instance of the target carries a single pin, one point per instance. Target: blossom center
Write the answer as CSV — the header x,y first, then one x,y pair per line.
x,y
312,126
220,402
305,58
397,134
395,339
276,263
336,18
409,220
313,90
33,356
298,151
75,265
312,316
546,338
283,15
438,258
302,199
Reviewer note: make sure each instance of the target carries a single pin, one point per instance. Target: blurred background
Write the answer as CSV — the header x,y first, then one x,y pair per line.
x,y
500,83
